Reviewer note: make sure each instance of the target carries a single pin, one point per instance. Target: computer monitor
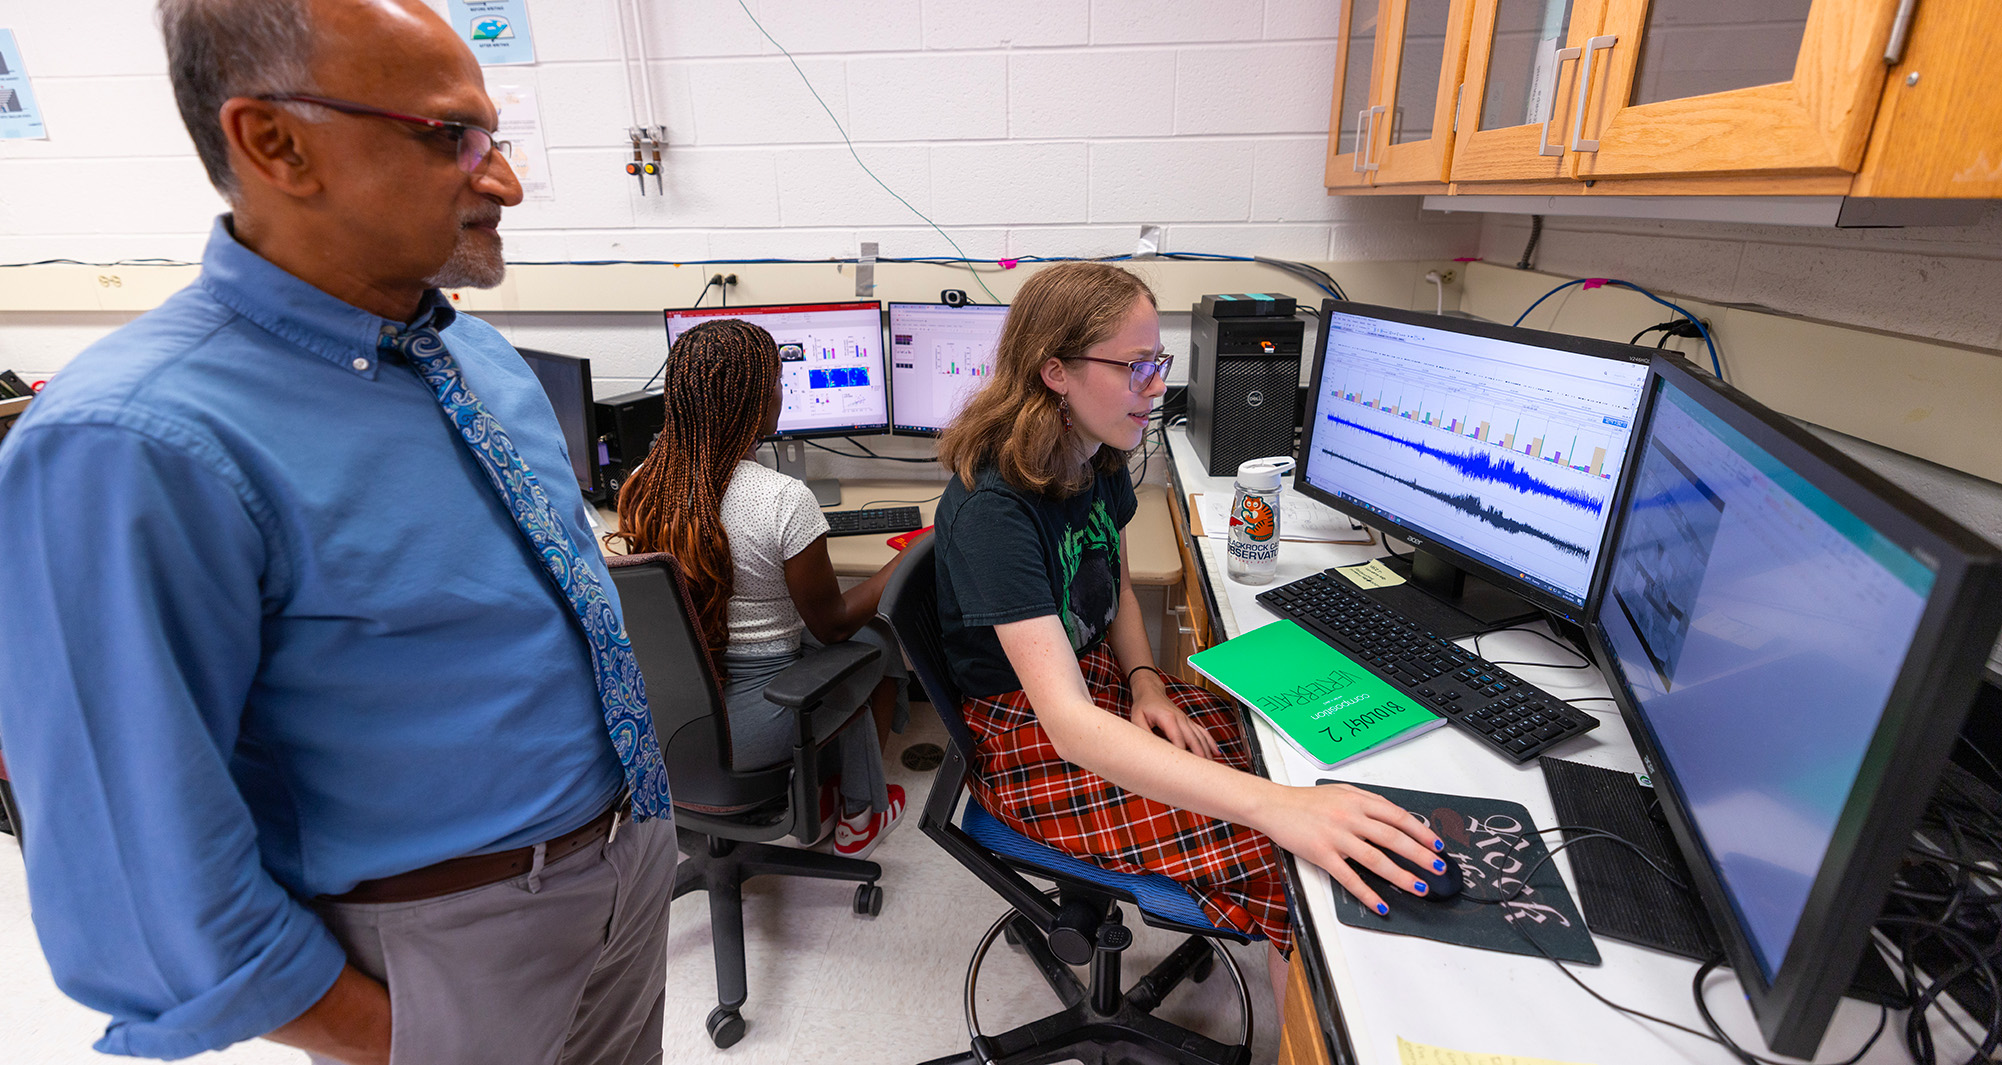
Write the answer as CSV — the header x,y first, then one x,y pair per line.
x,y
831,365
1794,643
1493,451
940,355
567,381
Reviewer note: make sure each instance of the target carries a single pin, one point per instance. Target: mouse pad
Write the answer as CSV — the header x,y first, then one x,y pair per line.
x,y
1494,843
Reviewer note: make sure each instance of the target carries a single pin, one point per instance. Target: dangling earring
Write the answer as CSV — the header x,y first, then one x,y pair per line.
x,y
1064,408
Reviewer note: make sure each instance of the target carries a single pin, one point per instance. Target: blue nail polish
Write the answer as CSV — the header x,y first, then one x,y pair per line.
x,y
1438,844
1438,866
1418,886
1382,909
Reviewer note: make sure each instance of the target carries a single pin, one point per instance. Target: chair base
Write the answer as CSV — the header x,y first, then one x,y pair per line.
x,y
1099,1025
720,866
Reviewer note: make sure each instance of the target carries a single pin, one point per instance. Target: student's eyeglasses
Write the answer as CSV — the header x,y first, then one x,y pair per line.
x,y
1143,370
474,143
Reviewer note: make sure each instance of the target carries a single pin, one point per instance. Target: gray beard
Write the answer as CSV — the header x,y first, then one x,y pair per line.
x,y
470,265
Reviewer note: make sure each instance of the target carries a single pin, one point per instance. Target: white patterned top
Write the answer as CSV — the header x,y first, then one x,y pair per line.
x,y
770,518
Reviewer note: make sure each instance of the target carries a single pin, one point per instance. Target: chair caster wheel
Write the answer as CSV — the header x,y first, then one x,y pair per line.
x,y
1201,970
868,900
726,1026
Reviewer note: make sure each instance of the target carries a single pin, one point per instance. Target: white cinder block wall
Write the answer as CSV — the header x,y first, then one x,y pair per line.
x,y
1027,127
1936,282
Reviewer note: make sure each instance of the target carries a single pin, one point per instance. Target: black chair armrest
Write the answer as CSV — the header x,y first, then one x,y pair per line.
x,y
806,682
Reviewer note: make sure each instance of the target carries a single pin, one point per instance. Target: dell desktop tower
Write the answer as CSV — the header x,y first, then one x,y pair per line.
x,y
1244,377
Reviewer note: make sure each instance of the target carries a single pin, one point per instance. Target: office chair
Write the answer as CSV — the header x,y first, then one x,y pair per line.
x,y
724,818
1082,925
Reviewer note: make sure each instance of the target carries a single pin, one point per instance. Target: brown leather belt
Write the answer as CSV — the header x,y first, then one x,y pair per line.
x,y
477,870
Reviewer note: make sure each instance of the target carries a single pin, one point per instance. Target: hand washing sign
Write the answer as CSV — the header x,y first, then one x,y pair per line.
x,y
496,30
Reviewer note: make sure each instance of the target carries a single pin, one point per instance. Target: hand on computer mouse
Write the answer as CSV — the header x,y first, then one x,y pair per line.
x,y
1440,883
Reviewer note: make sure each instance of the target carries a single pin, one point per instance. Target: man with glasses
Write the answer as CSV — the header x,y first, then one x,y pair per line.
x,y
319,706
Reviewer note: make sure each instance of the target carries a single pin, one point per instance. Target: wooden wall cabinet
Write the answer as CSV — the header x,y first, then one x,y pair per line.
x,y
1520,93
1643,119
1391,122
1698,97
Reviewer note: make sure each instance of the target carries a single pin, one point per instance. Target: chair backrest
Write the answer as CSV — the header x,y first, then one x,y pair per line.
x,y
910,605
687,702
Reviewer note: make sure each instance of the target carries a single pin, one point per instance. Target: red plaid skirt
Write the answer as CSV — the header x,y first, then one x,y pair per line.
x,y
1232,872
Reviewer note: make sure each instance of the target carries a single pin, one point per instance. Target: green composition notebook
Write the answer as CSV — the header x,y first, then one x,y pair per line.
x,y
1329,708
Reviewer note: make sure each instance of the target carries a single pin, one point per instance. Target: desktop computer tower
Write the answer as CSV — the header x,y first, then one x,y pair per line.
x,y
1244,379
627,424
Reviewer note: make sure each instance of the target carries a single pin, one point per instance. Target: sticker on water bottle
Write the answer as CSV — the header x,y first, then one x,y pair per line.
x,y
1254,519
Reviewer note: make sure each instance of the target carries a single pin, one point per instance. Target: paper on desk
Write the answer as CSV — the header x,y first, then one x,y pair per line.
x,y
1409,1053
1300,518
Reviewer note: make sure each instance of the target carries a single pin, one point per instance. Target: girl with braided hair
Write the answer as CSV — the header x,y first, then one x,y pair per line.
x,y
753,545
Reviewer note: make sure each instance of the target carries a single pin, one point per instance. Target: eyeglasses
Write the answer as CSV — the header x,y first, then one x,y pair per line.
x,y
1143,370
474,143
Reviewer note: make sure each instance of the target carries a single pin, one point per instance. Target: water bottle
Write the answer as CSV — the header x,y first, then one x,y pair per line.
x,y
1254,520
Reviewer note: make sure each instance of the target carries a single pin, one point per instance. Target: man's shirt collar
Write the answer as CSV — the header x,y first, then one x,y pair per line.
x,y
266,295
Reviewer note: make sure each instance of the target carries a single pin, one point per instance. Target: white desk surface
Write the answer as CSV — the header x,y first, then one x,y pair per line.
x,y
1391,986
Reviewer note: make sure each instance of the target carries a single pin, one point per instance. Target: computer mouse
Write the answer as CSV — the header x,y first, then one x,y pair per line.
x,y
1438,886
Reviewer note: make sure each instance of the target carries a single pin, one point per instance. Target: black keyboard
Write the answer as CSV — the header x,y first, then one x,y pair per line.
x,y
1514,717
873,520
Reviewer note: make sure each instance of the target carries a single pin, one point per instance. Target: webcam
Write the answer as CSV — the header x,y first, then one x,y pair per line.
x,y
953,297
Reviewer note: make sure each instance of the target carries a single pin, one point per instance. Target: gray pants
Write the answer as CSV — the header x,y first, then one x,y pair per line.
x,y
567,966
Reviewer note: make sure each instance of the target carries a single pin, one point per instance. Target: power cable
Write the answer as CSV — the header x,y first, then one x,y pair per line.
x,y
858,156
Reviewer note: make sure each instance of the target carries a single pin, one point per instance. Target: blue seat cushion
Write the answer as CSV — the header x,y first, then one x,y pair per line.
x,y
1156,894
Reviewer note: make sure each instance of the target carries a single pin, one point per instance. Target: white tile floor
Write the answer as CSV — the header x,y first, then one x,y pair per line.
x,y
825,986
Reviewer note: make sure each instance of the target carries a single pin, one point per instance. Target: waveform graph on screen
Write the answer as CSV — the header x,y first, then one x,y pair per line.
x,y
1474,471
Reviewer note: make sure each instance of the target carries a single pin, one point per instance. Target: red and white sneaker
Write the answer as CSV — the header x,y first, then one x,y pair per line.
x,y
830,811
855,837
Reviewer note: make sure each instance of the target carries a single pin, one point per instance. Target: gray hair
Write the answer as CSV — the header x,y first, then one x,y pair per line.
x,y
217,49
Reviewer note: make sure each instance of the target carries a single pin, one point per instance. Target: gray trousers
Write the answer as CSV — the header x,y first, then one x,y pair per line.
x,y
565,966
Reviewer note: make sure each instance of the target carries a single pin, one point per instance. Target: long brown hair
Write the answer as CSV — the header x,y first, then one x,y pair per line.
x,y
717,383
1015,423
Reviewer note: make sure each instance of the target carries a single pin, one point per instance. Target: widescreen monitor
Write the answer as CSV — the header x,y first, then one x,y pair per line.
x,y
940,356
567,381
831,366
1794,643
1493,450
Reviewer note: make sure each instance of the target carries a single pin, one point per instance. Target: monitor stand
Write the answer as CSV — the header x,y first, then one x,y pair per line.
x,y
791,456
1622,898
1446,599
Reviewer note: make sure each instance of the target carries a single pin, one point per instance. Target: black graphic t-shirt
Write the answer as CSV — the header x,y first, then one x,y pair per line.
x,y
1007,555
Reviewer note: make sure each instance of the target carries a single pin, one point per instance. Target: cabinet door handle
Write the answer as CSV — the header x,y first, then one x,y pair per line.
x,y
1543,145
1578,144
1369,138
1355,157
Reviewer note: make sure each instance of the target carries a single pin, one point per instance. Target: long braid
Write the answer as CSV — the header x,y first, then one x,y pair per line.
x,y
718,379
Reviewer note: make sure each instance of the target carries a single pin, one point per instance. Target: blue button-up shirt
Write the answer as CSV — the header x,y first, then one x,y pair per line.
x,y
267,631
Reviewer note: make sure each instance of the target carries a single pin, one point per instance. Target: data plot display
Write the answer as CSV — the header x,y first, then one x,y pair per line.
x,y
939,357
831,365
1504,451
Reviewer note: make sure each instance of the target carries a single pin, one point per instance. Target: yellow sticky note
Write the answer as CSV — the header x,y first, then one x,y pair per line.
x,y
1371,574
1409,1053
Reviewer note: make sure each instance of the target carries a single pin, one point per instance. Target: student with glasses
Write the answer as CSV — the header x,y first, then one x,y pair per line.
x,y
1080,741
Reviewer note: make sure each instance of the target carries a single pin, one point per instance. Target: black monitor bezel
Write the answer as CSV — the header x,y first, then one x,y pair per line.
x,y
883,349
595,491
1923,716
1533,594
889,341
